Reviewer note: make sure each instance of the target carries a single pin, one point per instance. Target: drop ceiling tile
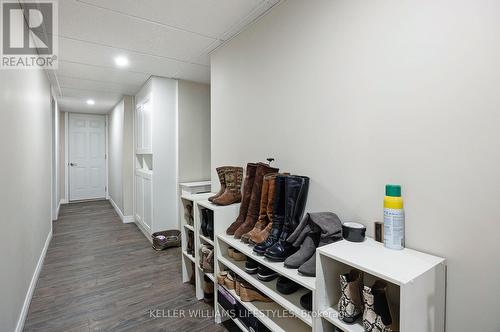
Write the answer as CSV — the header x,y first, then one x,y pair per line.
x,y
98,73
208,17
74,100
95,85
97,55
89,23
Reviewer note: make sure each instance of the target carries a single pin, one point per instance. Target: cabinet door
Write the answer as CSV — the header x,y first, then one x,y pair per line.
x,y
147,123
139,198
148,203
139,127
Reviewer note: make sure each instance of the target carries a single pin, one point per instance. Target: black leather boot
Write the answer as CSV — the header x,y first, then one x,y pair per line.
x,y
278,216
296,190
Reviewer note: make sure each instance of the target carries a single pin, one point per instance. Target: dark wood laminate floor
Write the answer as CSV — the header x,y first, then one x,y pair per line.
x,y
102,275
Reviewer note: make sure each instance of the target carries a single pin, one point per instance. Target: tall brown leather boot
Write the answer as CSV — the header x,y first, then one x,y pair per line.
x,y
232,193
261,236
221,171
266,202
247,193
253,207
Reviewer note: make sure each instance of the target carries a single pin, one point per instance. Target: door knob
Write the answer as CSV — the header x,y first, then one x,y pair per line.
x,y
73,164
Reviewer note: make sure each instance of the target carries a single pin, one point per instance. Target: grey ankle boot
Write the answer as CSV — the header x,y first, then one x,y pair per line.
x,y
306,251
330,228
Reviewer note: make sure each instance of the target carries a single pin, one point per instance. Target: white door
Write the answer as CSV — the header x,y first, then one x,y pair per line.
x,y
87,156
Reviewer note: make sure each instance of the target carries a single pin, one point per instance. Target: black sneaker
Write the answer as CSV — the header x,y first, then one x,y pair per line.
x,y
251,266
266,274
286,286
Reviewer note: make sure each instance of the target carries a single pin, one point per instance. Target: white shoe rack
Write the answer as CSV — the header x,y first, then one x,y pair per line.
x,y
416,281
229,212
188,260
416,284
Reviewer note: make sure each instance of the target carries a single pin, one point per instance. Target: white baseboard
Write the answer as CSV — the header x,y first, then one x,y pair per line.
x,y
128,219
125,219
61,202
31,288
144,231
117,209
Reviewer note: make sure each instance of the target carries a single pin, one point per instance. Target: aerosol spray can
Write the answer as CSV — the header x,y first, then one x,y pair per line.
x,y
394,218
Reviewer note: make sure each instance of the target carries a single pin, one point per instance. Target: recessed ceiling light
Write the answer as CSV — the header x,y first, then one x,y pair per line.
x,y
90,102
121,61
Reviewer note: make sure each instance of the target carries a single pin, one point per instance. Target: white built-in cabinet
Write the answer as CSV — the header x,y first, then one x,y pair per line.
x,y
144,199
166,151
144,133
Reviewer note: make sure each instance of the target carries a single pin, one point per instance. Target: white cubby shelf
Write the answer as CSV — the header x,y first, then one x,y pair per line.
x,y
223,214
186,227
416,284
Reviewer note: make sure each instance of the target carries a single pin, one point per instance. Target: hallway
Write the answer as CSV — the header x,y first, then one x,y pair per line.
x,y
100,274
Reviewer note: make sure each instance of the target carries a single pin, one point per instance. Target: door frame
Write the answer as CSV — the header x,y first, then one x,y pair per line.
x,y
66,154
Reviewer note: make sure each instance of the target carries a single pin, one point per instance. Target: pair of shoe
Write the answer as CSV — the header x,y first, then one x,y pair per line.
x,y
207,258
230,186
208,289
315,230
244,290
207,223
288,208
235,254
287,286
229,280
250,203
263,272
188,214
262,227
370,302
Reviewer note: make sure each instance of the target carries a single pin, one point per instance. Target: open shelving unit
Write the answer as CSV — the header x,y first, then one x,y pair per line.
x,y
416,281
228,213
186,227
416,284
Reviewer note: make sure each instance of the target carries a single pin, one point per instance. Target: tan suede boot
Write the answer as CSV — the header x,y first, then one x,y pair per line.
x,y
221,171
232,193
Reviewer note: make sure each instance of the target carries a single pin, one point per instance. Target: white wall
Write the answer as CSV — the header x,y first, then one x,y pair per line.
x,y
165,150
120,150
115,151
194,131
128,156
357,94
25,185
